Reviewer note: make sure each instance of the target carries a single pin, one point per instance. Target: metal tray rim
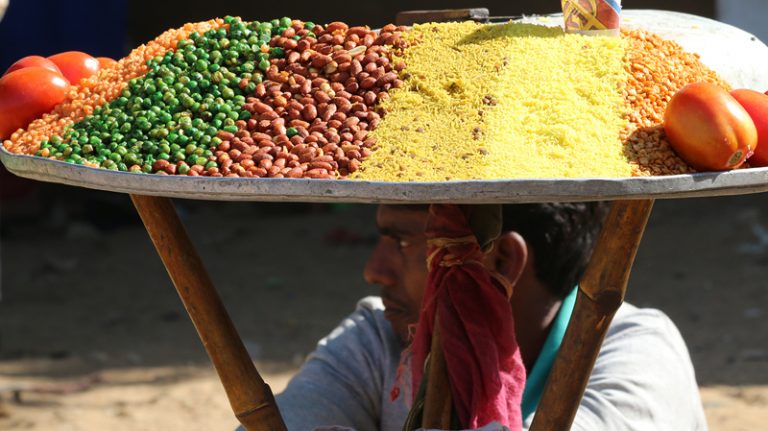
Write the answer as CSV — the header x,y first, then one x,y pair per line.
x,y
742,181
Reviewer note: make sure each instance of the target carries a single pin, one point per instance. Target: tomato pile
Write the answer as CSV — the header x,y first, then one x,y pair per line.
x,y
714,130
33,85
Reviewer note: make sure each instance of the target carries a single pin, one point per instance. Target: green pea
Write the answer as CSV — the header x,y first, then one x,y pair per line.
x,y
227,93
276,52
201,65
179,156
164,148
291,132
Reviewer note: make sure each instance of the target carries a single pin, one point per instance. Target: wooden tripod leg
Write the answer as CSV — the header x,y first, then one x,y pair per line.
x,y
601,292
250,398
438,404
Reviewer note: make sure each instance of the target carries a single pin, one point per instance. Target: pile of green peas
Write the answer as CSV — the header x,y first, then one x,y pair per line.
x,y
175,111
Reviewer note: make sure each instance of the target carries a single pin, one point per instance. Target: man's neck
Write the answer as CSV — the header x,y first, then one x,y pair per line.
x,y
534,310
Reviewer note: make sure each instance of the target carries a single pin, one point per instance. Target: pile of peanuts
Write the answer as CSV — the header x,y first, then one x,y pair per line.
x,y
657,69
100,89
312,113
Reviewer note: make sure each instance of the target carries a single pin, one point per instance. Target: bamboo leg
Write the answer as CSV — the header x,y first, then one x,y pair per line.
x,y
437,401
251,399
601,292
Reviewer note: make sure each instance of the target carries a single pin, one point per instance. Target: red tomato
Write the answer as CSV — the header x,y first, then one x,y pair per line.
x,y
75,65
756,104
708,128
27,94
33,61
105,61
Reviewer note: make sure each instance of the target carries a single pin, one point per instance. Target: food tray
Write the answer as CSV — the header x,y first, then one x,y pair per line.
x,y
737,56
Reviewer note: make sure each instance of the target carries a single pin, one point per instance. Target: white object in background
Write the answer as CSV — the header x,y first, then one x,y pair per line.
x,y
737,56
3,7
749,15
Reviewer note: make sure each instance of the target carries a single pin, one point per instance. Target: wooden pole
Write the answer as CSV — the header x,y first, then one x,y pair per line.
x,y
251,399
438,404
601,293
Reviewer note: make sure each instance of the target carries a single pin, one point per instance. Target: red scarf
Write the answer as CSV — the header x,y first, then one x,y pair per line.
x,y
485,368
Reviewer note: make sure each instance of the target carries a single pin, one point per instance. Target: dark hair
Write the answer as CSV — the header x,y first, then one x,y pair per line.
x,y
562,236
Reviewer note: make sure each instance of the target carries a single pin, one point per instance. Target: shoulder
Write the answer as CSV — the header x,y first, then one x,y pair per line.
x,y
643,378
645,340
367,320
365,333
636,328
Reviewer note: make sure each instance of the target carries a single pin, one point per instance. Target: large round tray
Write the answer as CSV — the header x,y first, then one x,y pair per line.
x,y
736,55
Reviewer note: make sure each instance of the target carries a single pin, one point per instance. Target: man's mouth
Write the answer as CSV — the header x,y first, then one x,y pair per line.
x,y
392,307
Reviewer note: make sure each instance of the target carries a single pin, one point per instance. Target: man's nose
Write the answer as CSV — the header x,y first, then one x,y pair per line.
x,y
378,269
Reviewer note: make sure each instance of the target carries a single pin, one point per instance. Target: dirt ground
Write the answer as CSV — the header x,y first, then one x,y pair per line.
x,y
93,336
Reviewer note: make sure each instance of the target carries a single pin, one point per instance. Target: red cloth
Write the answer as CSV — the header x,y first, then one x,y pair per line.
x,y
485,368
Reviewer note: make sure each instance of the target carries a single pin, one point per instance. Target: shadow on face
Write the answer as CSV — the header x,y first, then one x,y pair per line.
x,y
398,264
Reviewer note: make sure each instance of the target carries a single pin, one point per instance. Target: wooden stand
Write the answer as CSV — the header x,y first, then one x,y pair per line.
x,y
250,398
438,403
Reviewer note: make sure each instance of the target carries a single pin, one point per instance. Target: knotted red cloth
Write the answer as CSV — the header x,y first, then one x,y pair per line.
x,y
484,365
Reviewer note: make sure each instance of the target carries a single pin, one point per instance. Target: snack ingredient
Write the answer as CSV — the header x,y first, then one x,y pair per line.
x,y
503,101
325,133
26,94
708,127
279,98
756,104
99,89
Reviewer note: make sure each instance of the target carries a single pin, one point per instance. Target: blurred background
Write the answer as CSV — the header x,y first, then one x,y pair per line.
x,y
92,335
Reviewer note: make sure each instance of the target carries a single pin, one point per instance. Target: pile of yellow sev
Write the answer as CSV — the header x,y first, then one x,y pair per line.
x,y
503,101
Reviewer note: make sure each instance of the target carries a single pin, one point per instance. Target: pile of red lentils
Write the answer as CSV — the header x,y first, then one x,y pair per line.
x,y
657,69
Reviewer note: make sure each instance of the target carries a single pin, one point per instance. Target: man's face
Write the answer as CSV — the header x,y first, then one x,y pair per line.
x,y
398,265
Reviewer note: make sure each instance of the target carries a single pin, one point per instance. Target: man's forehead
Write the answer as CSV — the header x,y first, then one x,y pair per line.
x,y
402,218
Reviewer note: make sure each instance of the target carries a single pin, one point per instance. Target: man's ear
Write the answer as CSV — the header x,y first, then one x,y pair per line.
x,y
511,256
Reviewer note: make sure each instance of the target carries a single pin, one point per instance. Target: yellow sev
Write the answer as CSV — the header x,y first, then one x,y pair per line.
x,y
503,101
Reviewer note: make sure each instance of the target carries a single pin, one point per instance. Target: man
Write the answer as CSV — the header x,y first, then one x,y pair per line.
x,y
359,376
